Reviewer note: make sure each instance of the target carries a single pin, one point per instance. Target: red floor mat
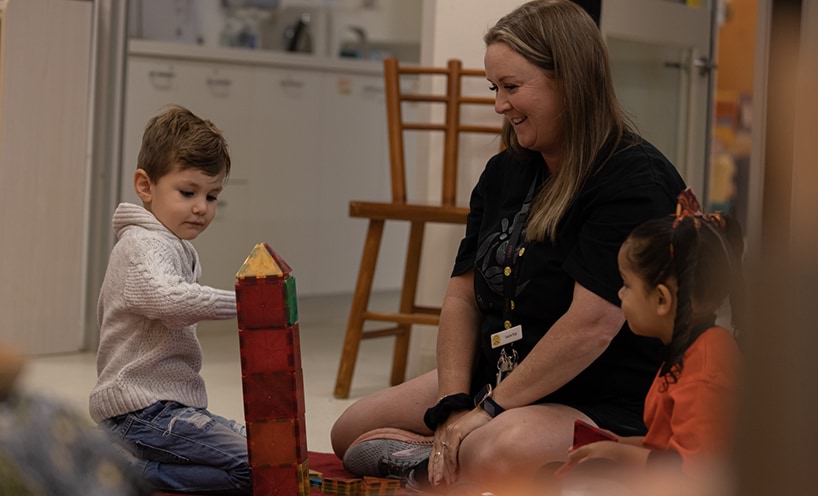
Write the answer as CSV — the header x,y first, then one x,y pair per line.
x,y
326,463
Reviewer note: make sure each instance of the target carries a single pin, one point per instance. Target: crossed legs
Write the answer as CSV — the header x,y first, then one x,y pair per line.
x,y
516,442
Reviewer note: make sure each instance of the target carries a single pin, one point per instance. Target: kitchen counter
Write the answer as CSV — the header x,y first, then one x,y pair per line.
x,y
242,56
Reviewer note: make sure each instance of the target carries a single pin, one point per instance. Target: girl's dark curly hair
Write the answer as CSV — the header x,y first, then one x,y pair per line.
x,y
704,257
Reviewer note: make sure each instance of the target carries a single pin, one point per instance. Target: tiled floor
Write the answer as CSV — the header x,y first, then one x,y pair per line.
x,y
322,322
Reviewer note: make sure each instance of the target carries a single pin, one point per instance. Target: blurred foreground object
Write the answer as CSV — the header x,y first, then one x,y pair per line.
x,y
45,449
10,366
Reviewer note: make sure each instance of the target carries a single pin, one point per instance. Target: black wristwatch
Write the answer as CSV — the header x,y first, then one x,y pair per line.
x,y
485,401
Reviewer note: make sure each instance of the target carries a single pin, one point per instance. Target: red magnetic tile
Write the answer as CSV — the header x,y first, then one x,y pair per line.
x,y
275,395
285,267
277,442
585,433
261,303
301,442
297,343
279,481
270,350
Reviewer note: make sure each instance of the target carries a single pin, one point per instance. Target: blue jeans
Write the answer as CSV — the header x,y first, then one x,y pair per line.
x,y
180,448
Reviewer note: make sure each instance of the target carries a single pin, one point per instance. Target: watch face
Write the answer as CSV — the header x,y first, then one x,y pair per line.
x,y
484,401
490,407
484,393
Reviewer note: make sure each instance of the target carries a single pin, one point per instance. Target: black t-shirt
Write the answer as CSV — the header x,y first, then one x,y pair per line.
x,y
636,184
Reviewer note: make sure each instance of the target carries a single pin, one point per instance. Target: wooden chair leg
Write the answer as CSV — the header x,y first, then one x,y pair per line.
x,y
407,301
360,301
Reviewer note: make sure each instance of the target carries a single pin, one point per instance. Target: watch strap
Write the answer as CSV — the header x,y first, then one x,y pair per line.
x,y
486,402
491,407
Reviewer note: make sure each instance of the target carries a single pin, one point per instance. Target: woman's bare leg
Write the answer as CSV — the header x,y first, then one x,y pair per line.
x,y
518,442
401,406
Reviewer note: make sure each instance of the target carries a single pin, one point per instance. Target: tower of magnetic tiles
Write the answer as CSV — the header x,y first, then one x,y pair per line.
x,y
272,380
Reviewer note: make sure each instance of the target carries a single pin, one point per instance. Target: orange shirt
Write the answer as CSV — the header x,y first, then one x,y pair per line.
x,y
695,415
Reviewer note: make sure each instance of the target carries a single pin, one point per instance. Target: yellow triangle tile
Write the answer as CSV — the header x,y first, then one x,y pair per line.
x,y
259,263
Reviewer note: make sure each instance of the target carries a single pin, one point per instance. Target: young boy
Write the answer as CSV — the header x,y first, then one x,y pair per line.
x,y
149,392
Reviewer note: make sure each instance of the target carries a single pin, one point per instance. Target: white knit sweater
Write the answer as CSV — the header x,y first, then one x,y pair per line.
x,y
148,308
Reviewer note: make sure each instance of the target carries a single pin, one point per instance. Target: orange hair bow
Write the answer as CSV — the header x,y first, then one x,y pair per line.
x,y
688,206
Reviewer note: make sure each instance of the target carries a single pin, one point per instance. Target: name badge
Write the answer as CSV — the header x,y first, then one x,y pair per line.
x,y
510,335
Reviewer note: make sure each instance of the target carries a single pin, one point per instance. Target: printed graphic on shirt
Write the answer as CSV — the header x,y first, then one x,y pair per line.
x,y
492,252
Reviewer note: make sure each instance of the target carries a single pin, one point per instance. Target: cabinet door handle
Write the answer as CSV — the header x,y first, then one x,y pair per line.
x,y
292,83
162,74
705,66
222,83
372,89
162,80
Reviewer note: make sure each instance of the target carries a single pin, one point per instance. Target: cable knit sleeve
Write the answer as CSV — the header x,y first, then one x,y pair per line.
x,y
154,288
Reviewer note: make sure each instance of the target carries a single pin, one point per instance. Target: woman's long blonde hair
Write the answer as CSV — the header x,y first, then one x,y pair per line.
x,y
562,39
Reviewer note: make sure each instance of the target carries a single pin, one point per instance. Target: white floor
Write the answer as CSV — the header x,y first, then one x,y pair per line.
x,y
322,322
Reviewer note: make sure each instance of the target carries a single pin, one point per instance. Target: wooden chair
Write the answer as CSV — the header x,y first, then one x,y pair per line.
x,y
447,212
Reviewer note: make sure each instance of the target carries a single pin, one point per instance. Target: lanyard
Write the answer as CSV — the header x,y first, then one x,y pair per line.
x,y
508,360
512,254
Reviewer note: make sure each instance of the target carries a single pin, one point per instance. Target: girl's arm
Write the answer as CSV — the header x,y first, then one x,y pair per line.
x,y
632,440
626,454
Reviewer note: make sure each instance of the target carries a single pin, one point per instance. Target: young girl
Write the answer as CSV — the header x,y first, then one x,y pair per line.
x,y
677,272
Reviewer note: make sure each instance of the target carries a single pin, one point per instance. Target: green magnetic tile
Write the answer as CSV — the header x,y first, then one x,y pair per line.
x,y
291,299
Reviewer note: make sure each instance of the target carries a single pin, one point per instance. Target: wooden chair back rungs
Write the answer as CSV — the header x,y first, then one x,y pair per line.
x,y
451,126
399,209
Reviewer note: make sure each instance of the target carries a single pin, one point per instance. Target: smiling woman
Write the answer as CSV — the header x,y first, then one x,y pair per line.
x,y
531,327
530,100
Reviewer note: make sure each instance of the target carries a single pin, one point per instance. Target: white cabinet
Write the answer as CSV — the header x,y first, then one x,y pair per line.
x,y
304,141
219,92
45,63
354,166
283,188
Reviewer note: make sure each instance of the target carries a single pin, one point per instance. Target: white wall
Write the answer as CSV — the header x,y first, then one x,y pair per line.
x,y
451,29
44,165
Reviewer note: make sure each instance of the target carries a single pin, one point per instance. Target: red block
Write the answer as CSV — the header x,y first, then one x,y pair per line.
x,y
277,442
270,350
261,303
290,480
302,434
585,433
275,395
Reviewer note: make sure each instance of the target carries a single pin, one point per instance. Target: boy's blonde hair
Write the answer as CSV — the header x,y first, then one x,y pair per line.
x,y
177,136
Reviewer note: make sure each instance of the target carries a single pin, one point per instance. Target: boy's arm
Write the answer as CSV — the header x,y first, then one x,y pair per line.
x,y
154,290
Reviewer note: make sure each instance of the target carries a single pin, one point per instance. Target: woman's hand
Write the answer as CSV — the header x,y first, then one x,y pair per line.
x,y
626,454
444,466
